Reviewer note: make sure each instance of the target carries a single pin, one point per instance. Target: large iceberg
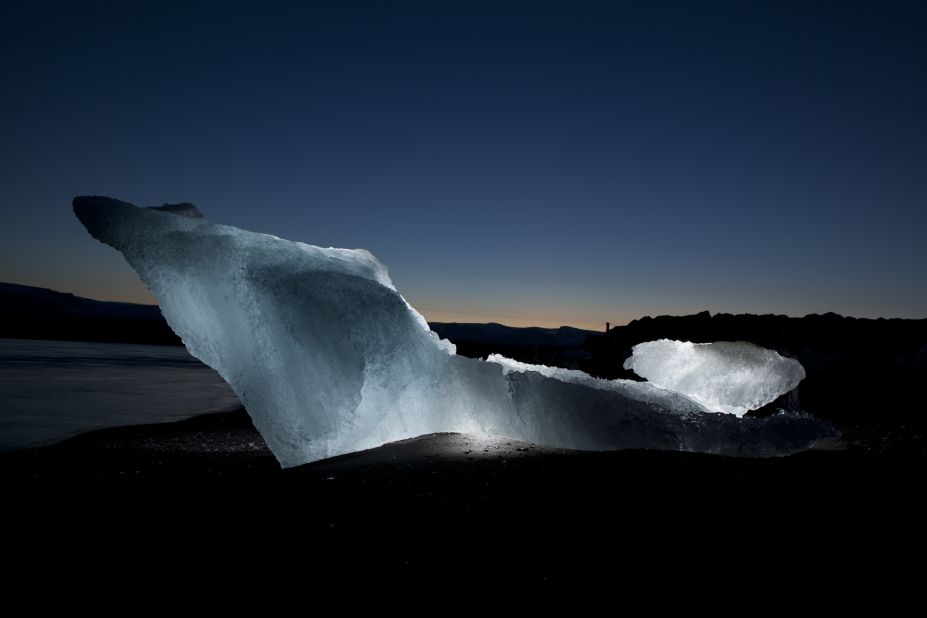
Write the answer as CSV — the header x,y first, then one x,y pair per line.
x,y
327,356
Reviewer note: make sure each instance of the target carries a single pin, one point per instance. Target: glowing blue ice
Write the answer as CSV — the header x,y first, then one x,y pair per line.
x,y
328,357
731,377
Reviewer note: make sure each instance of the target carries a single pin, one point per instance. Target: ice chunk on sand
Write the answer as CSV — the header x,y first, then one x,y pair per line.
x,y
327,356
726,376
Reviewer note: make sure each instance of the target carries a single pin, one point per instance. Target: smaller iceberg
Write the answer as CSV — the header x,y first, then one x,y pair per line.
x,y
732,377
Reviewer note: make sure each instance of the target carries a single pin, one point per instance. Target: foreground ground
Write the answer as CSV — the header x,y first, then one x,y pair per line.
x,y
204,500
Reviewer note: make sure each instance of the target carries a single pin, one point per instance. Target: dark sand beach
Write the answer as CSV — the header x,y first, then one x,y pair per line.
x,y
204,500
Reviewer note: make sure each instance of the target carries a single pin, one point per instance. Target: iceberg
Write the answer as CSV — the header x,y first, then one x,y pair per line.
x,y
732,377
327,357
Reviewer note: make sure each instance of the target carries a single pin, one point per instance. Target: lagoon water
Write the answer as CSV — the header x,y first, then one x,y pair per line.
x,y
51,390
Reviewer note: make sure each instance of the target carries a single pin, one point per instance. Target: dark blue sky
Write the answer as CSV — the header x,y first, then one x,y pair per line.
x,y
537,162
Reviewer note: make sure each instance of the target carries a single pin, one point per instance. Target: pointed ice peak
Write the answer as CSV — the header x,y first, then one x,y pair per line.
x,y
184,209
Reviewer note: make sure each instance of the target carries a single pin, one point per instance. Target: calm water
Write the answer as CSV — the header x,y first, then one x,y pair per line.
x,y
51,390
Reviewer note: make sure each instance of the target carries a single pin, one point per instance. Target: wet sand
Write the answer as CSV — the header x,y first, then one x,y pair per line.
x,y
204,500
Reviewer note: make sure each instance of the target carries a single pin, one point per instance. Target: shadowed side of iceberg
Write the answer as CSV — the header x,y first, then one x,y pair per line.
x,y
327,356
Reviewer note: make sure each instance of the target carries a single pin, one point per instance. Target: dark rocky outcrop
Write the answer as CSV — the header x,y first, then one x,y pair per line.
x,y
859,370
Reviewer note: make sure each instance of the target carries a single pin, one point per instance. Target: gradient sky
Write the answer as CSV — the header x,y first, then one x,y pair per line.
x,y
528,163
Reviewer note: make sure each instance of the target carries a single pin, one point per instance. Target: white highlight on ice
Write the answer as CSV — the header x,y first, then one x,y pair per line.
x,y
726,376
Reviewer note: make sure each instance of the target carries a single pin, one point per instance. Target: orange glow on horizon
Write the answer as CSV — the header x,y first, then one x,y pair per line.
x,y
536,316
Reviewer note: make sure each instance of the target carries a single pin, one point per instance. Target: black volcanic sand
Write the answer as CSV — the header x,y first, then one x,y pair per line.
x,y
450,515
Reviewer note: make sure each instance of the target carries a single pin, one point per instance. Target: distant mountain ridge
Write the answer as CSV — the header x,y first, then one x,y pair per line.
x,y
29,312
50,301
565,336
815,340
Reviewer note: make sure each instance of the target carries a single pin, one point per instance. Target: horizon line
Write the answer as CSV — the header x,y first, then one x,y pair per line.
x,y
443,315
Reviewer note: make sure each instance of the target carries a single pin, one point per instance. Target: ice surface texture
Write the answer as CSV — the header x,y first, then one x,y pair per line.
x,y
327,356
731,377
